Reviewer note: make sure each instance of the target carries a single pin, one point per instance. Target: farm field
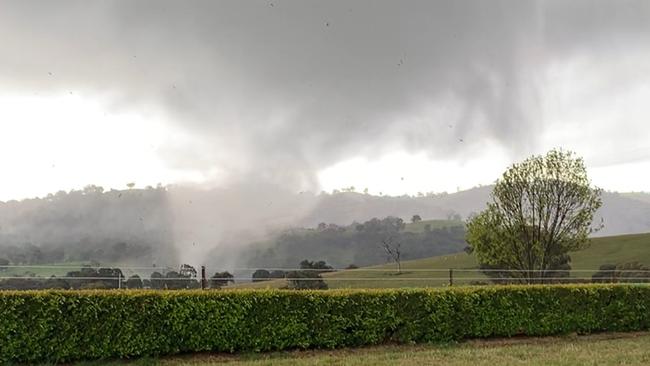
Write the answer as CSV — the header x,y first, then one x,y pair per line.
x,y
426,272
415,273
607,349
46,270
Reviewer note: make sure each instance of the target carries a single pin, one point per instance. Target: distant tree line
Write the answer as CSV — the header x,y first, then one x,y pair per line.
x,y
632,272
359,243
308,277
113,278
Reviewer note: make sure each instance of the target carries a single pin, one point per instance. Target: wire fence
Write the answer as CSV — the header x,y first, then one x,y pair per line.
x,y
18,277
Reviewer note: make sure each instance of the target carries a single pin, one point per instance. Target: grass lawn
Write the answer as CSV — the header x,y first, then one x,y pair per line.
x,y
604,349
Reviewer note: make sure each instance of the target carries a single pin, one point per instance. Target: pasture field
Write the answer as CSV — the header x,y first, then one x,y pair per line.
x,y
603,349
605,250
420,226
46,270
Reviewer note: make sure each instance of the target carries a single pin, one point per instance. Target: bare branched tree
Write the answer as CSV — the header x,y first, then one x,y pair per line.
x,y
394,251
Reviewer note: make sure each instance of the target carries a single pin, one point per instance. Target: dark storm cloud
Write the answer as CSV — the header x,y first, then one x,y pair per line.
x,y
275,90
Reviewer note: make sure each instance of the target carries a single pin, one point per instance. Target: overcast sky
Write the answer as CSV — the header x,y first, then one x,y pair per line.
x,y
395,96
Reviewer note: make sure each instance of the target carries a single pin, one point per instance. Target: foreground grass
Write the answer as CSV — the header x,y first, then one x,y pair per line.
x,y
605,349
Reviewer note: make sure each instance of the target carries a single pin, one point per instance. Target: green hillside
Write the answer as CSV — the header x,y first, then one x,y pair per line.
x,y
432,224
356,243
434,271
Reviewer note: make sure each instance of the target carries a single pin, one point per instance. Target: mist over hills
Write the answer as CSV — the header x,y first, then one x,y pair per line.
x,y
622,213
176,224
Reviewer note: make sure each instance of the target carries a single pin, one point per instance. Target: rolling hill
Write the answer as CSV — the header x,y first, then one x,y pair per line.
x,y
623,213
222,227
434,271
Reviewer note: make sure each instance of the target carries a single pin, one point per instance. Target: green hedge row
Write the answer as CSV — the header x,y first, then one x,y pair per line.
x,y
73,325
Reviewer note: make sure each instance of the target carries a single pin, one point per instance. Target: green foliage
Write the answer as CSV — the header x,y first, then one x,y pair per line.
x,y
261,275
185,278
90,224
221,279
40,326
310,277
84,278
107,278
358,242
632,272
541,210
306,280
134,282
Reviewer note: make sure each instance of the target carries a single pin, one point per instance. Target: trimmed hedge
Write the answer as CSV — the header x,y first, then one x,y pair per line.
x,y
72,325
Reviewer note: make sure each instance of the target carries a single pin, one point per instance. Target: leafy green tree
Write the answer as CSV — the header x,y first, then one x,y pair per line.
x,y
261,275
157,281
632,272
306,280
416,219
309,277
541,209
278,274
188,271
221,279
316,267
177,281
95,278
134,282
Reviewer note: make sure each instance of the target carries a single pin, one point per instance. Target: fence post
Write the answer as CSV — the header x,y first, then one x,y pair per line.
x,y
451,277
203,280
119,281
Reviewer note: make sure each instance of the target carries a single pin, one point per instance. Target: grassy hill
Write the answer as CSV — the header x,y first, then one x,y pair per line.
x,y
357,243
434,271
420,226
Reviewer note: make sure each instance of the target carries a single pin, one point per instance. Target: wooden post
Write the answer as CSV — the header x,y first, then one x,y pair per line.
x,y
203,280
451,277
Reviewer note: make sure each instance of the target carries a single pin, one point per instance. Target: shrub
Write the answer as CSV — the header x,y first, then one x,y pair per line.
x,y
261,275
632,272
45,326
221,279
306,280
